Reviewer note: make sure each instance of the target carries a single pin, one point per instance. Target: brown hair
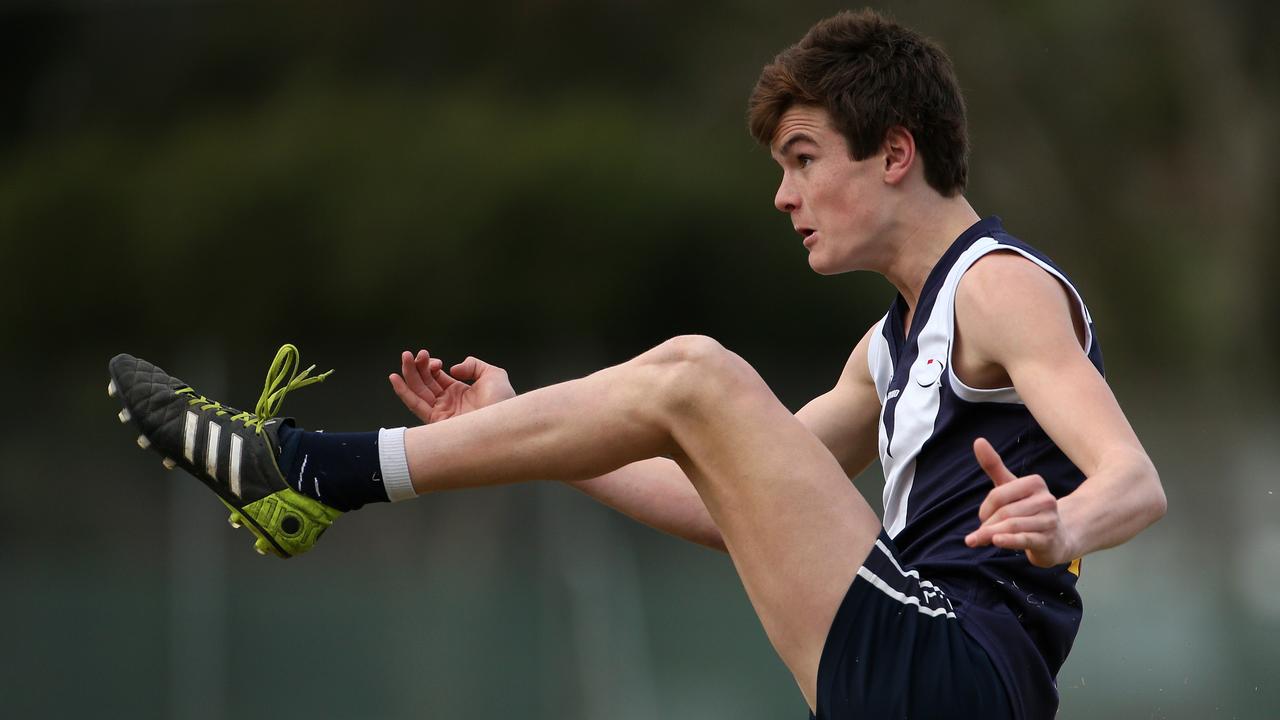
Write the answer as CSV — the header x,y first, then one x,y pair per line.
x,y
871,74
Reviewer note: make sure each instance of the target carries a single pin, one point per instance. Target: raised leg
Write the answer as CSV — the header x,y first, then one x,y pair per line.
x,y
796,528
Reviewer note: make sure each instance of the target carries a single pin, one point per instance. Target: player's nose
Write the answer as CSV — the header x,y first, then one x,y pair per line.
x,y
786,199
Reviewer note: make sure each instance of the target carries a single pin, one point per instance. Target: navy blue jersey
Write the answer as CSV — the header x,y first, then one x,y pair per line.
x,y
1024,616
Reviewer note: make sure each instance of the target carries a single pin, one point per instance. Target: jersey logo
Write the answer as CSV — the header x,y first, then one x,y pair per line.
x,y
929,373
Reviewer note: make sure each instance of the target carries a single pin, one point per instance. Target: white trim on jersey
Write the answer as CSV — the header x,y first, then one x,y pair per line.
x,y
919,400
913,416
1009,395
879,360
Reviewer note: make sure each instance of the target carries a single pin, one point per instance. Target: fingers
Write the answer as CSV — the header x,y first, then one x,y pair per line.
x,y
1037,546
402,391
1024,505
441,377
424,362
425,376
470,369
991,463
1019,513
412,376
414,402
987,534
1032,543
1030,534
1011,493
466,370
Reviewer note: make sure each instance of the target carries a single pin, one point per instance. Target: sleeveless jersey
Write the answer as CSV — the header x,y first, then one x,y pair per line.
x,y
1024,616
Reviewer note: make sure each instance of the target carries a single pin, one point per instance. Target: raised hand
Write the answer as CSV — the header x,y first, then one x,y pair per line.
x,y
433,395
1019,513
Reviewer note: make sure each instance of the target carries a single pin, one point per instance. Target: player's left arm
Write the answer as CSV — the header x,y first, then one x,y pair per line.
x,y
1017,316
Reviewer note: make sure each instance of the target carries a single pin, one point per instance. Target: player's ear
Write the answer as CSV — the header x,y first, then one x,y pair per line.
x,y
899,149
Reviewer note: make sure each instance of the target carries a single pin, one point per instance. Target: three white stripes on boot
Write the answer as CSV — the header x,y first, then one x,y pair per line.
x,y
236,450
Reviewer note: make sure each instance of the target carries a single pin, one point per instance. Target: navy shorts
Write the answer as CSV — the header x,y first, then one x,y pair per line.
x,y
896,650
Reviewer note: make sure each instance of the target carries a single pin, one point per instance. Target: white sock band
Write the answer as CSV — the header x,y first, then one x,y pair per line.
x,y
395,465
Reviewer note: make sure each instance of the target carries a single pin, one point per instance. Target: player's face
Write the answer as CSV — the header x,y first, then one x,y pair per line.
x,y
835,202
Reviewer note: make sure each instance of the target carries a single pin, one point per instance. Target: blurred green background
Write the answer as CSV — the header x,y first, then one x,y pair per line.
x,y
554,185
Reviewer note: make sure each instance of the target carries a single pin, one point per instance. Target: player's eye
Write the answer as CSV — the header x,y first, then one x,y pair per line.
x,y
804,160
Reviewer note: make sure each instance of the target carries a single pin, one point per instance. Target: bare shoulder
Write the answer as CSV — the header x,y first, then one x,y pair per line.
x,y
1006,304
999,279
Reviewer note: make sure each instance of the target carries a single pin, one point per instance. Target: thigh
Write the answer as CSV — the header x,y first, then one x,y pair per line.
x,y
796,528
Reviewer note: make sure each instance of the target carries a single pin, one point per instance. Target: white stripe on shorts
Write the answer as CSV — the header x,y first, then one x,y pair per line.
x,y
901,597
907,573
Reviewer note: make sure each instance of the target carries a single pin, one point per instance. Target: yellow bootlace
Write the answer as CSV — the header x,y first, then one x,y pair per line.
x,y
282,379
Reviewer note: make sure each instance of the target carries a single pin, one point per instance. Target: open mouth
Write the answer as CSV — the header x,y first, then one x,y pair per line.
x,y
805,232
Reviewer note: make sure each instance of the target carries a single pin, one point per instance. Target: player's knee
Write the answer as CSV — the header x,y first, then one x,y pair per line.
x,y
691,349
696,368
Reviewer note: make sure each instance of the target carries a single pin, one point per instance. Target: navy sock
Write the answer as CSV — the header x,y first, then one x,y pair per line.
x,y
341,470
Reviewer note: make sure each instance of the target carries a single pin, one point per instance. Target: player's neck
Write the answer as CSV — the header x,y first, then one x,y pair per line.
x,y
923,236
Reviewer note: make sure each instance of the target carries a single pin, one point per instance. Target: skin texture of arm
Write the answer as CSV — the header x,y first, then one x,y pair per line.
x,y
1015,317
657,493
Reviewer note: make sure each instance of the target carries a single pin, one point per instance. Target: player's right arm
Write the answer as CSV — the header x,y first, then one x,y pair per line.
x,y
655,492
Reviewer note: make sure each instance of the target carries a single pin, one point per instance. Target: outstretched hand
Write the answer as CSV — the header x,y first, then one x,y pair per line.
x,y
1019,513
433,395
